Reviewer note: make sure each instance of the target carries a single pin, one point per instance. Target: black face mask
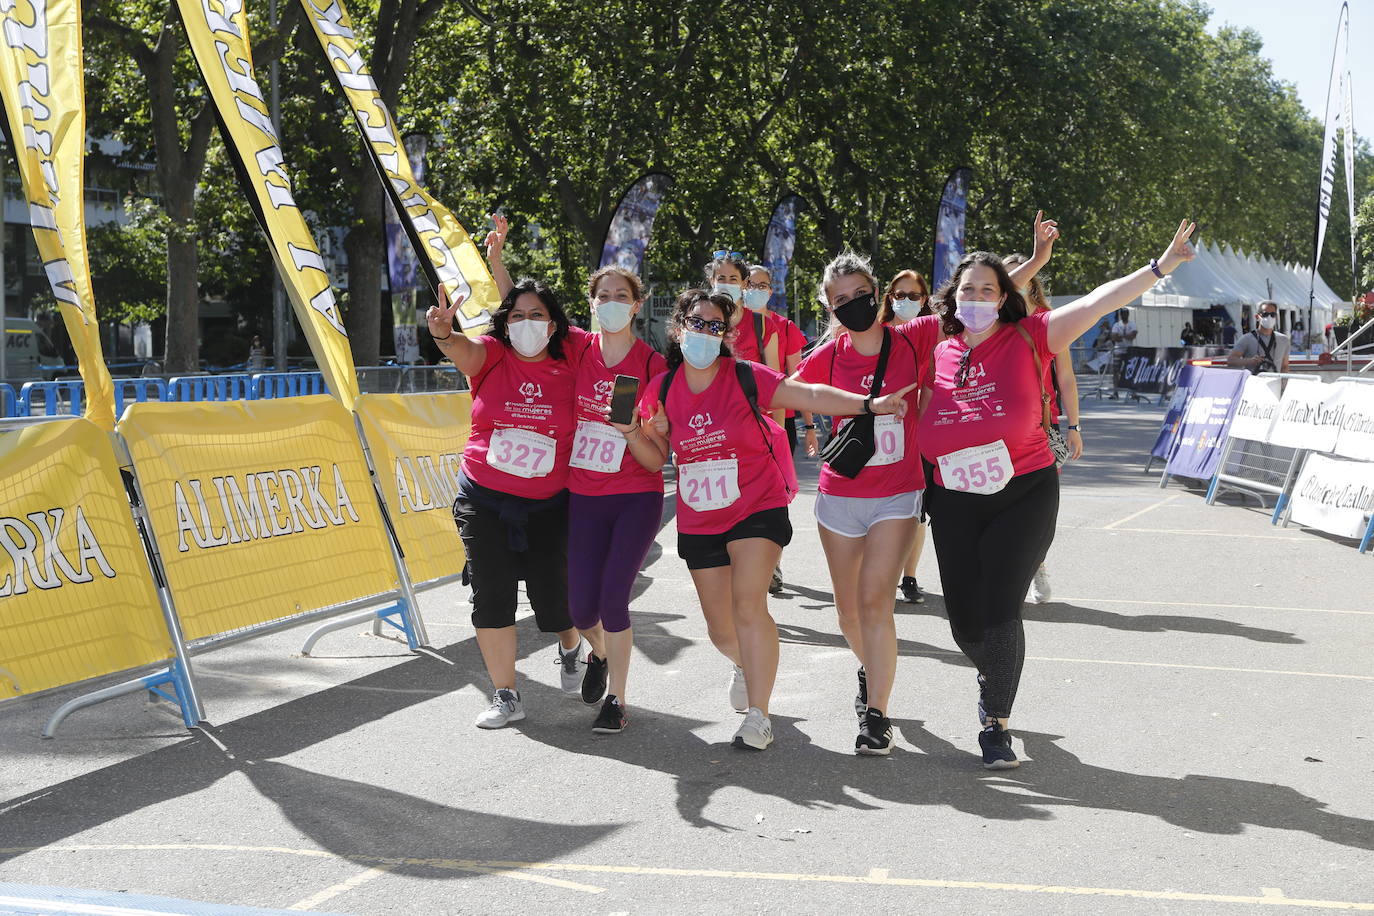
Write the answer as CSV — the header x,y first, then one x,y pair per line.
x,y
859,313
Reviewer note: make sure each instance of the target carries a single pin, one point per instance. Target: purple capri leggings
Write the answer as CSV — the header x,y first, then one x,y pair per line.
x,y
608,539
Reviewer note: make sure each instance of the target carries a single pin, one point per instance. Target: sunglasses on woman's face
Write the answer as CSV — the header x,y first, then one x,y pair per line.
x,y
703,325
904,294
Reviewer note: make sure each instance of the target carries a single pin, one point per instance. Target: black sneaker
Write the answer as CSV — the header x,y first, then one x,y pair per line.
x,y
594,680
875,734
861,698
775,586
911,592
612,717
996,744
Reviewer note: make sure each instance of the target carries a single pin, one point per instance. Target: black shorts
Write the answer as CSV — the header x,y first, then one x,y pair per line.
x,y
707,551
496,570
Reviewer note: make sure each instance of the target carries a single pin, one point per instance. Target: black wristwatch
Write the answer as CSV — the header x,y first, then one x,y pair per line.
x,y
1072,426
868,404
808,426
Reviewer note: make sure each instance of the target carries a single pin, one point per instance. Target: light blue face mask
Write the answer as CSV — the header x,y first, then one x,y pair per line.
x,y
733,290
757,299
700,350
906,309
613,316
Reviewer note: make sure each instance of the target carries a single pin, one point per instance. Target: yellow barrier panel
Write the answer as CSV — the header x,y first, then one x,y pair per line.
x,y
77,599
417,443
262,509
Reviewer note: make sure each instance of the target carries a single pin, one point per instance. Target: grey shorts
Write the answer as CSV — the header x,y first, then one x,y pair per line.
x,y
852,516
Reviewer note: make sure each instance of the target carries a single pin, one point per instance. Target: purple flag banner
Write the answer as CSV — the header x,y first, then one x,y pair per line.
x,y
949,226
1206,418
779,241
627,237
402,265
1173,418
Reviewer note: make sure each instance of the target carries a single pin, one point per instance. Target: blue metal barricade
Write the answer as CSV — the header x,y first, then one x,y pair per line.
x,y
137,390
58,398
237,387
287,384
9,401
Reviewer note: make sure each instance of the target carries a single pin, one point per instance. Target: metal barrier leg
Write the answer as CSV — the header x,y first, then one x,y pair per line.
x,y
1299,458
1368,535
1221,467
174,676
378,617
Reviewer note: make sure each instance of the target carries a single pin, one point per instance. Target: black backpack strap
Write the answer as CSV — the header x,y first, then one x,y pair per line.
x,y
748,384
883,354
665,385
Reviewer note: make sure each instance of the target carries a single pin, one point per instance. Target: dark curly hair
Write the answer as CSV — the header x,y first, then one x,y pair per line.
x,y
546,296
677,319
1013,306
734,260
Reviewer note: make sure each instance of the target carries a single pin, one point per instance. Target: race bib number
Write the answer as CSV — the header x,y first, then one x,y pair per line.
x,y
707,485
521,452
889,441
980,469
597,447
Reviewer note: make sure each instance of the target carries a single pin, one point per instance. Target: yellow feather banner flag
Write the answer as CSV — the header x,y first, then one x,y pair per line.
x,y
45,121
218,34
445,250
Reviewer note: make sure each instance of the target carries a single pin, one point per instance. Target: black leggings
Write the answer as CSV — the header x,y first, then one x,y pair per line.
x,y
988,548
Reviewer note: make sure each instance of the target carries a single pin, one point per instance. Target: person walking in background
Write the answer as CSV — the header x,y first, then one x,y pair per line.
x,y
1263,349
257,355
908,297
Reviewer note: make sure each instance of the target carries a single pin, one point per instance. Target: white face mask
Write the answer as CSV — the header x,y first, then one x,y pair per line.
x,y
906,309
757,299
977,315
733,290
1268,322
613,315
528,337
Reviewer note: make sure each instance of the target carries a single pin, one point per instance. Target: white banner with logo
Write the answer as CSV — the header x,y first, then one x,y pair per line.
x,y
1355,403
1334,495
1305,420
1259,405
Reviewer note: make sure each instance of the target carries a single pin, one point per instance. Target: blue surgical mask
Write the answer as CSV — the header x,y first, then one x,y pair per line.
x,y
613,316
906,309
733,290
757,299
700,350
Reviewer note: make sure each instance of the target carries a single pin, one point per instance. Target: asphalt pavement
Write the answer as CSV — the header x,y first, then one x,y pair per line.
x,y
1194,721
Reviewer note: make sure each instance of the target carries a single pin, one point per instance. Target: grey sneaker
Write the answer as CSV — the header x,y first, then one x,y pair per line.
x,y
755,732
505,708
570,675
739,691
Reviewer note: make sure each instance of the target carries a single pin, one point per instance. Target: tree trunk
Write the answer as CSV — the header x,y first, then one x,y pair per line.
x,y
365,245
183,291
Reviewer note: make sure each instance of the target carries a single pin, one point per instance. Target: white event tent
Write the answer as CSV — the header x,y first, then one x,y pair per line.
x,y
1220,279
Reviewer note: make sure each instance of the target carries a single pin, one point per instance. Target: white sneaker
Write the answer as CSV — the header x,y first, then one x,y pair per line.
x,y
505,708
755,732
739,691
1040,586
570,672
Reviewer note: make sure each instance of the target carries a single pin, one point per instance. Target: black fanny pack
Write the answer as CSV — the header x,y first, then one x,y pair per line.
x,y
849,451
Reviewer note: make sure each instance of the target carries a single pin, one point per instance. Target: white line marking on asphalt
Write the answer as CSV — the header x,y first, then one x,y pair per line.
x,y
343,887
507,869
1214,534
1272,892
946,653
1135,515
879,874
1238,607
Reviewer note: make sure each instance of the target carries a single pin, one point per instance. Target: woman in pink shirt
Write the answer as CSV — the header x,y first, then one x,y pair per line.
x,y
512,505
994,496
866,522
908,297
615,506
734,485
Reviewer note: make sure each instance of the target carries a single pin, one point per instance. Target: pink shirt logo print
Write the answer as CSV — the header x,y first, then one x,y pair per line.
x,y
530,391
699,422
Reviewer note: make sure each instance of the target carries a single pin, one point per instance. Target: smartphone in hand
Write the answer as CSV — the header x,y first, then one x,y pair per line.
x,y
623,399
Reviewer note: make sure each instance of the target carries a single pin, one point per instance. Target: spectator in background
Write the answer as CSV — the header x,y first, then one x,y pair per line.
x,y
257,355
1263,349
1124,331
1188,337
1299,335
1228,333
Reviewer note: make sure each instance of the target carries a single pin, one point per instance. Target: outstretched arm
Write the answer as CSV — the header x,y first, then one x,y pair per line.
x,y
1068,323
1046,233
467,354
496,246
794,395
